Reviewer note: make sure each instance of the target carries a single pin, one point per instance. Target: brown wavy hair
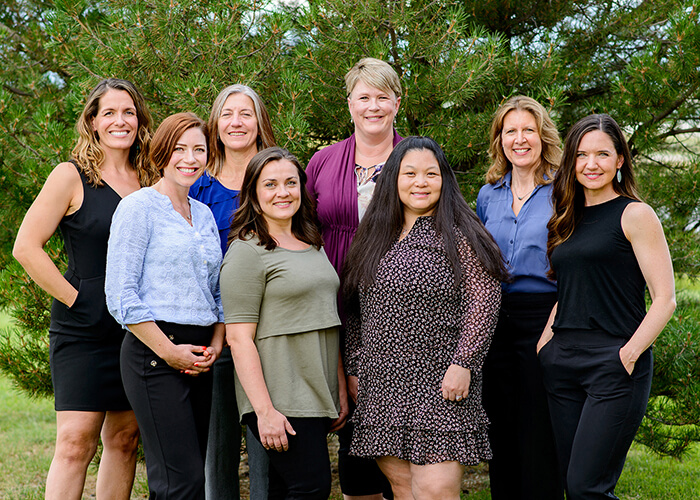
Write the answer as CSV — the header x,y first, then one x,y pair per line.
x,y
248,220
549,135
166,137
87,152
567,194
266,136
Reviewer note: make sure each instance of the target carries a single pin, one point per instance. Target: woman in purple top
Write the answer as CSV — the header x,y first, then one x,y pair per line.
x,y
341,179
240,127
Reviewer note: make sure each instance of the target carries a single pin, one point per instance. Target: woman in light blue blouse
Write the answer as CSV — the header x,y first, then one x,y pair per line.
x,y
515,206
162,284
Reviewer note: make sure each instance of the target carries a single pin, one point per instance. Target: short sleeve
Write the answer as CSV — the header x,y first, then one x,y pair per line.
x,y
242,283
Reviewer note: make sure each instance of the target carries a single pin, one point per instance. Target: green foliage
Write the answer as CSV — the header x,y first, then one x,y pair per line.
x,y
458,61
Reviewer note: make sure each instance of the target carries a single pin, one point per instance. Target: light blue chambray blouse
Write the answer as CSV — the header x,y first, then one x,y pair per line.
x,y
522,239
159,268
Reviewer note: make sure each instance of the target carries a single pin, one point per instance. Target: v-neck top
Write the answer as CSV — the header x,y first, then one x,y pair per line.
x,y
85,233
522,238
159,268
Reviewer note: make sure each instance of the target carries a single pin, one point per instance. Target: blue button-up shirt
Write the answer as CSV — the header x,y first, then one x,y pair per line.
x,y
159,268
522,239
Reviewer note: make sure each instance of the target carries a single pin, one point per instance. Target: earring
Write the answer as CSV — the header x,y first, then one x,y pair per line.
x,y
619,175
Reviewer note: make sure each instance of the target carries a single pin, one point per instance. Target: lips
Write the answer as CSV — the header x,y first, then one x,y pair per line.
x,y
119,133
187,170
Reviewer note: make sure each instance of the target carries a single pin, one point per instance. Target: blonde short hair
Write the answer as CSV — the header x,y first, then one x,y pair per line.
x,y
375,73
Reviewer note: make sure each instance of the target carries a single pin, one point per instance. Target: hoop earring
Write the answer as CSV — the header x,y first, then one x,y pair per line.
x,y
619,175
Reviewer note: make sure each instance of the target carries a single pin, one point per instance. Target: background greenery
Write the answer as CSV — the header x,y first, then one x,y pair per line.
x,y
638,60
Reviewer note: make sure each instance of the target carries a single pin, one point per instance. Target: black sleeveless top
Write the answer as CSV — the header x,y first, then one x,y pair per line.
x,y
85,234
600,284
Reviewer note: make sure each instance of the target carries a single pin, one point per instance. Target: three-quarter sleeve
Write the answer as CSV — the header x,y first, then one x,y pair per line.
x,y
128,241
242,284
481,300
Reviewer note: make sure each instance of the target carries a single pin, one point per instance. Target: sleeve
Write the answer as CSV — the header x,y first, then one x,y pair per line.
x,y
311,175
129,237
481,205
215,282
242,282
353,343
481,301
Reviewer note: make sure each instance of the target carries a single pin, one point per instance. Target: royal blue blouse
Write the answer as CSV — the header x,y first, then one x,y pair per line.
x,y
222,202
522,239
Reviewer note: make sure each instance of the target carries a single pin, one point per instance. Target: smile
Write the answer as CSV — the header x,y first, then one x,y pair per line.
x,y
119,133
187,170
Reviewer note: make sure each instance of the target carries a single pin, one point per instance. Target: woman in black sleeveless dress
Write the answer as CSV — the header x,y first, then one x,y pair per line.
x,y
604,247
79,197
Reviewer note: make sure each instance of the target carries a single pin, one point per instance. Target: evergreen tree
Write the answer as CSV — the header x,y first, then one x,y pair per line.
x,y
634,59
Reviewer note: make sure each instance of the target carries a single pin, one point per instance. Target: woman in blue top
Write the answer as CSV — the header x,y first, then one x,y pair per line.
x,y
162,284
240,127
515,206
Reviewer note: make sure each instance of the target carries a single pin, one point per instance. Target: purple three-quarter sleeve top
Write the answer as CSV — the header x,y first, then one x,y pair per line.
x,y
332,183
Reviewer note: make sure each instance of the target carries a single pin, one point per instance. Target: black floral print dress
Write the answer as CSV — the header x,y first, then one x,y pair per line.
x,y
413,323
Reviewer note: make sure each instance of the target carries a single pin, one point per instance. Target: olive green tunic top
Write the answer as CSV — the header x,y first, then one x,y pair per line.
x,y
291,295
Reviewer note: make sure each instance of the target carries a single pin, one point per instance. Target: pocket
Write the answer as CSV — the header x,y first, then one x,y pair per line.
x,y
89,307
620,364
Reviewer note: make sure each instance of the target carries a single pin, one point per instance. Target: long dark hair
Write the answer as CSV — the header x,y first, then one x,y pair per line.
x,y
249,220
384,219
567,193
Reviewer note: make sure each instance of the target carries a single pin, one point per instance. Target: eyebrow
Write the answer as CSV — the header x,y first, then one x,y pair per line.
x,y
295,177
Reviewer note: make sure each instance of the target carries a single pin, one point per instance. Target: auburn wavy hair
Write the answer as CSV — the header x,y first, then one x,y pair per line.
x,y
249,219
568,198
87,152
549,135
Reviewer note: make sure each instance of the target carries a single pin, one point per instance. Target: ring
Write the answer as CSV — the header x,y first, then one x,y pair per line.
x,y
459,398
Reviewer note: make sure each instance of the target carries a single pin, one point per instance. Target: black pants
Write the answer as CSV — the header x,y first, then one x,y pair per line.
x,y
596,408
172,410
358,476
304,470
524,464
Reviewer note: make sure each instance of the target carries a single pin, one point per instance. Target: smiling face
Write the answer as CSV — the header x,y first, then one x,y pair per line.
x,y
372,110
188,160
596,166
419,183
238,124
279,192
521,140
115,122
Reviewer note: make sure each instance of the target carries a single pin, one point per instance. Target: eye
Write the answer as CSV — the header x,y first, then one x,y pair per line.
x,y
108,113
509,131
201,150
179,149
225,114
269,184
131,112
291,183
604,154
246,115
580,155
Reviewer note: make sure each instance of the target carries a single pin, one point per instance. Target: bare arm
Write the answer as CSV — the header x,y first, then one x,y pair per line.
x,y
61,195
272,425
643,230
547,333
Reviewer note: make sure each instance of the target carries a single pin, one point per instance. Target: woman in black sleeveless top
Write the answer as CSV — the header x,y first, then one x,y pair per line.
x,y
604,247
79,197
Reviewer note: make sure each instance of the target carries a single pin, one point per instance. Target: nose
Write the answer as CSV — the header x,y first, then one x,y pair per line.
x,y
235,119
519,137
189,156
421,180
119,119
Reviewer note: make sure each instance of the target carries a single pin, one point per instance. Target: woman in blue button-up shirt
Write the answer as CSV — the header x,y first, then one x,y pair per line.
x,y
515,205
162,284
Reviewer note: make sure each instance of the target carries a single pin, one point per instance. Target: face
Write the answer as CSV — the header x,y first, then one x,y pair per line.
x,y
279,191
419,182
238,124
520,139
188,160
116,122
597,163
372,110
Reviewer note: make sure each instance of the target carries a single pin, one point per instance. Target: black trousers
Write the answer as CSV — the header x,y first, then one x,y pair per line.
x,y
596,408
304,470
524,464
172,410
358,476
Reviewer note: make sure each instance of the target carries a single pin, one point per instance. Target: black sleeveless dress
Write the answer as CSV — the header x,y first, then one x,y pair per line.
x,y
84,339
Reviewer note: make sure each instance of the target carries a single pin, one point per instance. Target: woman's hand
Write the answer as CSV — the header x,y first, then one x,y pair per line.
x,y
339,422
352,387
190,359
273,428
627,359
455,383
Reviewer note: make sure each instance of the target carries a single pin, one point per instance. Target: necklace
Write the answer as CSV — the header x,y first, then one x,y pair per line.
x,y
520,198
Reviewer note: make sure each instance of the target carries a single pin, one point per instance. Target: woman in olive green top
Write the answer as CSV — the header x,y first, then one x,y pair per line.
x,y
279,295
